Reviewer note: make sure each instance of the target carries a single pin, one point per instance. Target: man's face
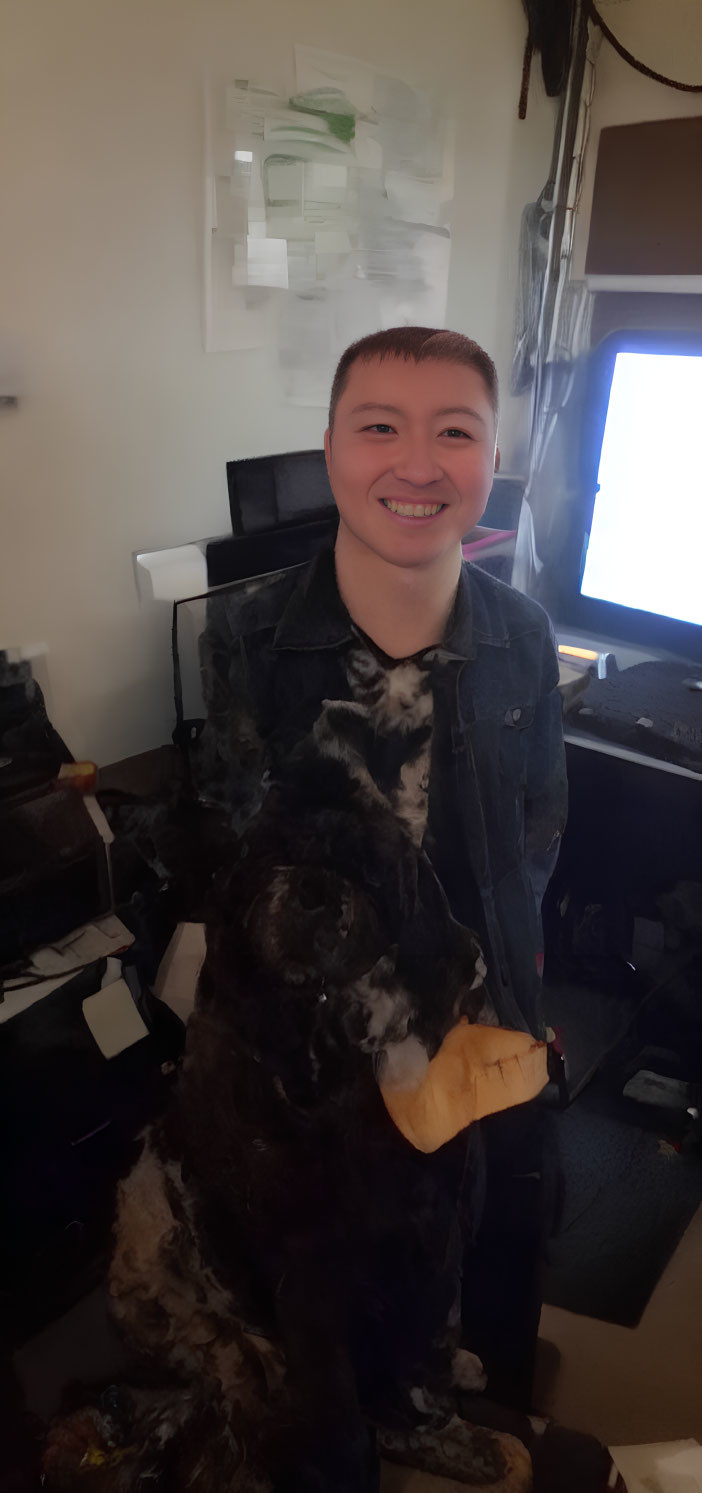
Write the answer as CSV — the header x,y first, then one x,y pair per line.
x,y
407,437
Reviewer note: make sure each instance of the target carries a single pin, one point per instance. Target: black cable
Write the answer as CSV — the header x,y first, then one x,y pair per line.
x,y
177,680
641,67
526,76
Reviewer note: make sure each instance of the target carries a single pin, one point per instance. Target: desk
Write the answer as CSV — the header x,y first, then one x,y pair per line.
x,y
634,832
610,749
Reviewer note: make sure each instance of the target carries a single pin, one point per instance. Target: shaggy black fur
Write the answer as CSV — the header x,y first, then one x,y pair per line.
x,y
331,948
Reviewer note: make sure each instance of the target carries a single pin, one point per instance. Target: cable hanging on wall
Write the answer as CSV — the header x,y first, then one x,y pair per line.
x,y
641,67
548,224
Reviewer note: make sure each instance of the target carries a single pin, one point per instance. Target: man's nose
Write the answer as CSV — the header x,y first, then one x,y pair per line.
x,y
416,462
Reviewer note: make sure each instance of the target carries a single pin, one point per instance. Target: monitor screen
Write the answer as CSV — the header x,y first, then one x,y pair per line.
x,y
644,547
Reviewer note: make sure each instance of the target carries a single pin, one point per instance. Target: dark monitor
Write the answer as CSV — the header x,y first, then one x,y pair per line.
x,y
282,512
632,567
269,492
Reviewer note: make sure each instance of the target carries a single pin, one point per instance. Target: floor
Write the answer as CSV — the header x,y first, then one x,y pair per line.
x,y
622,1385
632,1385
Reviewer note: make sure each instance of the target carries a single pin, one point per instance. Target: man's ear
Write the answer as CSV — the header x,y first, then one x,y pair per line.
x,y
327,446
498,458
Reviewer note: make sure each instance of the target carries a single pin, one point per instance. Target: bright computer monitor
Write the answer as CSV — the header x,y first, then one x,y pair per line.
x,y
634,564
644,549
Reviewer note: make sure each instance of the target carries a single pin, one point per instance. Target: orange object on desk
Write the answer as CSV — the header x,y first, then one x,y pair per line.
x,y
79,775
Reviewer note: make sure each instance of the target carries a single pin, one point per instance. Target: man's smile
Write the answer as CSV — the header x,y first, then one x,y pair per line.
x,y
412,510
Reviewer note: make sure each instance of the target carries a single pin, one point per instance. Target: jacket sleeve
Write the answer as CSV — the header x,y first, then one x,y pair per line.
x,y
230,762
546,794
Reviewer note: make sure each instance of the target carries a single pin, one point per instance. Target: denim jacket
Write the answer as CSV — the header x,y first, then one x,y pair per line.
x,y
273,649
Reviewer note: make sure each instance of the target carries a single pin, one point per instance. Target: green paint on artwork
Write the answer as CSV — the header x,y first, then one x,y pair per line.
x,y
331,105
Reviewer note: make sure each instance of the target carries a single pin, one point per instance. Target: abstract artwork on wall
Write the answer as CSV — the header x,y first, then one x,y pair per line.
x,y
326,215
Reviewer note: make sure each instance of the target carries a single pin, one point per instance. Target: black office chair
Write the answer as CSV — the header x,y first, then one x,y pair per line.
x,y
282,513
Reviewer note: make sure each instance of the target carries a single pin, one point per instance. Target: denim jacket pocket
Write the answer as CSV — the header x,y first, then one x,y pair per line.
x,y
519,717
514,728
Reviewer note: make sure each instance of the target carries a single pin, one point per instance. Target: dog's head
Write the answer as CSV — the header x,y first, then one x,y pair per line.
x,y
307,925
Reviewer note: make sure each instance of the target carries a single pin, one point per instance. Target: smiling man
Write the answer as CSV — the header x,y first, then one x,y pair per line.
x,y
463,671
411,452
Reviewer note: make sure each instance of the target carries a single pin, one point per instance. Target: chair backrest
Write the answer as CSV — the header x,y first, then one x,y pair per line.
x,y
267,492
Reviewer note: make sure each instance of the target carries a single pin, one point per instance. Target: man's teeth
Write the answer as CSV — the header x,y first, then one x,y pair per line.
x,y
413,510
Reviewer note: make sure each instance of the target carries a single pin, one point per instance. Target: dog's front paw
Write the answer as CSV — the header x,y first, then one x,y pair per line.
x,y
468,1372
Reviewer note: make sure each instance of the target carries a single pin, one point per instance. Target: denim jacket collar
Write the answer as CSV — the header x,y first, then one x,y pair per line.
x,y
315,616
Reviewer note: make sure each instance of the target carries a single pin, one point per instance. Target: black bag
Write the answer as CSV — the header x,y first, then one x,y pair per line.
x,y
69,1121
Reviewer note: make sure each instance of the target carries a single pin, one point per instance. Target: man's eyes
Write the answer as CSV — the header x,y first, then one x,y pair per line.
x,y
453,431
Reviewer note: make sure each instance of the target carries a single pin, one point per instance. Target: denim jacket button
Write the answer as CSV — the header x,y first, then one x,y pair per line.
x,y
516,714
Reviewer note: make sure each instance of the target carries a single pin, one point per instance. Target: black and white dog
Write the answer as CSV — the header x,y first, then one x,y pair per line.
x,y
280,1245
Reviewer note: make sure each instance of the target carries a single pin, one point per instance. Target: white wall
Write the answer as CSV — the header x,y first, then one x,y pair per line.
x,y
125,424
665,34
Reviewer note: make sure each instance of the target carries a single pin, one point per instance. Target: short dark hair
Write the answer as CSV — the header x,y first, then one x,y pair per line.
x,y
418,345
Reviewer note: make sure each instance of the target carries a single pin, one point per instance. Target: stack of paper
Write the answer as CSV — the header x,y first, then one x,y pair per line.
x,y
661,1467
